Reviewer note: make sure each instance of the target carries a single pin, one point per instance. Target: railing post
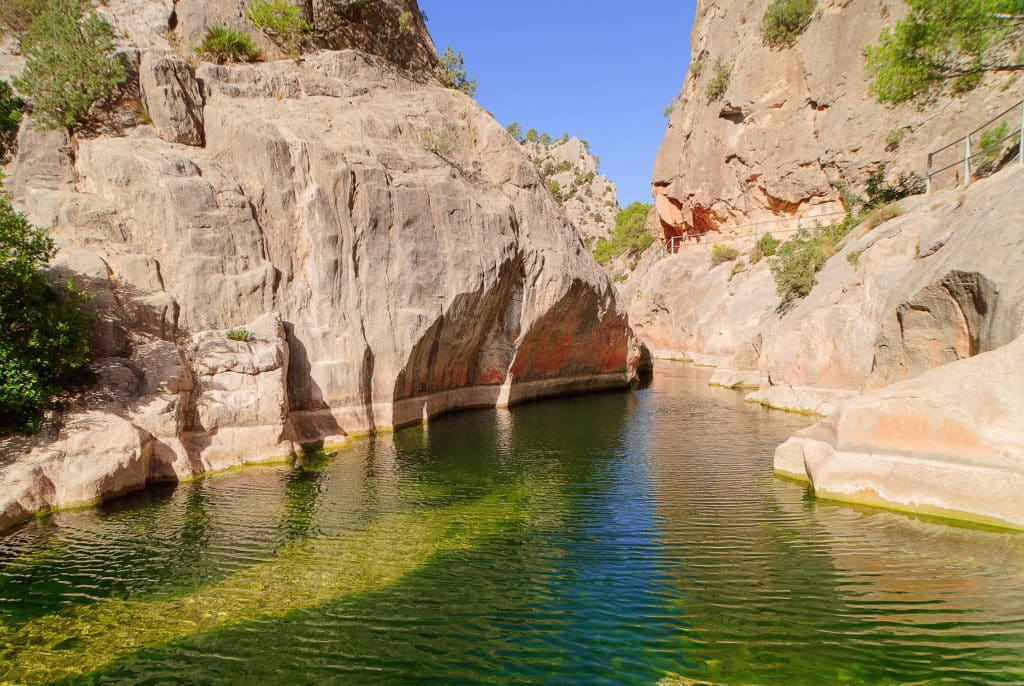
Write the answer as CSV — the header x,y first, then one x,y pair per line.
x,y
967,160
931,155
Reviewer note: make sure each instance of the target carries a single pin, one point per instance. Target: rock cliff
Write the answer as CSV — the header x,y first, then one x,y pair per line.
x,y
294,252
572,173
907,310
723,163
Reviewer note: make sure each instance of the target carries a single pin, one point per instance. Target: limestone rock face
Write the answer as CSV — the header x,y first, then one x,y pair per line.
x,y
588,198
171,96
97,456
390,251
949,442
896,314
792,120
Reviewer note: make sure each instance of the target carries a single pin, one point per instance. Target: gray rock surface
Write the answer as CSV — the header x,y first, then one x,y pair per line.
x,y
589,199
392,253
171,96
793,120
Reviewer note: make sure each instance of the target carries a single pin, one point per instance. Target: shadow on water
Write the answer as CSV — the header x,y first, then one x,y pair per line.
x,y
612,538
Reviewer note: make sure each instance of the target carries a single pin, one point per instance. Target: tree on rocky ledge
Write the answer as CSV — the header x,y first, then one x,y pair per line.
x,y
941,42
69,64
44,332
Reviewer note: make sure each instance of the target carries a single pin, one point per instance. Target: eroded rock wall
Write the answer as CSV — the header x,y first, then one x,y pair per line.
x,y
380,248
793,120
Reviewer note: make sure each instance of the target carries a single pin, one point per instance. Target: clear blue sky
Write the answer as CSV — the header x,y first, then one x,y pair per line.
x,y
602,70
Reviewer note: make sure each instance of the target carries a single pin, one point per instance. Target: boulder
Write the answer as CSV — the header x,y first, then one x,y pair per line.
x,y
171,96
949,442
97,456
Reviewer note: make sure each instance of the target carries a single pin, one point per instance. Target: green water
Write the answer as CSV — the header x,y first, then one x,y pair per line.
x,y
629,538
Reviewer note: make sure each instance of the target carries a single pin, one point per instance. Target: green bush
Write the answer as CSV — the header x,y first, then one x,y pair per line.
x,y
516,131
719,83
721,254
240,335
785,20
766,246
799,259
992,141
44,332
443,142
879,192
16,15
893,139
282,22
10,115
696,68
69,64
452,72
224,44
630,234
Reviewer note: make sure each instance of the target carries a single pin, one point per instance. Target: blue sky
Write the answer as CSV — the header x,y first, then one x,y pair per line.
x,y
602,70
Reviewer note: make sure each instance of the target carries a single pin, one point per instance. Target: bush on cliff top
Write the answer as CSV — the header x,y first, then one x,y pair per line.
x,y
720,254
44,332
785,20
452,72
282,22
70,64
630,234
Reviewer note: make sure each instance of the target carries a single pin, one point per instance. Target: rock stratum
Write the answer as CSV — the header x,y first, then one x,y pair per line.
x,y
909,343
292,253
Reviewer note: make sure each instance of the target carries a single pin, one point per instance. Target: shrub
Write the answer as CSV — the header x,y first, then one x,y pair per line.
x,y
10,115
282,22
556,190
516,131
443,142
238,335
893,139
719,83
44,333
630,234
882,193
854,258
992,141
879,215
224,44
785,20
798,260
765,247
696,68
16,15
721,254
452,72
69,64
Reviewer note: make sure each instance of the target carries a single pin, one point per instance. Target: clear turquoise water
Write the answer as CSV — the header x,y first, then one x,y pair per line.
x,y
626,538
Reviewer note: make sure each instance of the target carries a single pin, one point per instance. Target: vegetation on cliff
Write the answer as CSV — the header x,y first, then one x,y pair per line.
x,y
452,72
70,63
44,332
224,44
798,260
941,43
785,20
282,22
630,234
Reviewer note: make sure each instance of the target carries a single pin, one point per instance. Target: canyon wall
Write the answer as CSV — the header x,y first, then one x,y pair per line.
x,y
293,252
914,301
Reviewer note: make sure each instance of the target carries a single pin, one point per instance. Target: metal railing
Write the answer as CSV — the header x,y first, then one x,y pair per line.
x,y
991,151
673,244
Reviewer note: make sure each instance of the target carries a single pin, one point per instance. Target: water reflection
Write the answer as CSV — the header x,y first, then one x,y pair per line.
x,y
615,538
